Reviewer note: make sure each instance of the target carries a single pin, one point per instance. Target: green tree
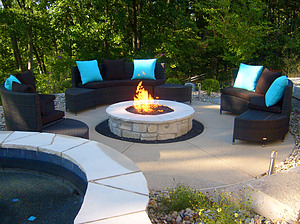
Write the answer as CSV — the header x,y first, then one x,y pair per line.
x,y
193,37
282,44
237,28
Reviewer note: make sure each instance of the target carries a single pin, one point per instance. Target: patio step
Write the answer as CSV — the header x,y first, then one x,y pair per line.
x,y
276,196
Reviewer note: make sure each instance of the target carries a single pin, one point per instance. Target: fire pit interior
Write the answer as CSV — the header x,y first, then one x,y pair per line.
x,y
144,103
161,109
147,119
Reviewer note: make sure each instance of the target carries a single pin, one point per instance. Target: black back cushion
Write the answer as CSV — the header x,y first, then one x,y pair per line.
x,y
27,78
265,80
114,69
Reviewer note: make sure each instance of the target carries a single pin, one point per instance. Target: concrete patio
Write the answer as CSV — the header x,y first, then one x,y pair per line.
x,y
209,161
206,161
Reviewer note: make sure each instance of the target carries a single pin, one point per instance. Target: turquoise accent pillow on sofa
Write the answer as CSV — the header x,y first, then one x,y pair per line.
x,y
276,91
89,71
9,81
144,69
247,76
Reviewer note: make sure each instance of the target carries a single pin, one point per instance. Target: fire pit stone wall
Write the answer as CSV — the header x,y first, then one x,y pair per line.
x,y
150,127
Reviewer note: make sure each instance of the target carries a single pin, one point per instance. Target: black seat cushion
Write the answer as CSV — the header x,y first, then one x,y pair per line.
x,y
127,82
258,103
103,84
242,93
114,69
52,116
46,99
265,81
148,82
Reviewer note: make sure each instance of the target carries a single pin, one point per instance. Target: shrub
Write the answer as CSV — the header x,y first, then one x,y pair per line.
x,y
173,80
225,84
183,197
223,207
53,83
210,85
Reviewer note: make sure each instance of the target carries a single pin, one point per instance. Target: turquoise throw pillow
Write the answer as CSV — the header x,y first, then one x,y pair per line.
x,y
89,71
144,69
9,81
247,76
276,91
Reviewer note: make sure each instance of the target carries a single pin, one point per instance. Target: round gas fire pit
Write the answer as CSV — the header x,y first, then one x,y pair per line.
x,y
150,127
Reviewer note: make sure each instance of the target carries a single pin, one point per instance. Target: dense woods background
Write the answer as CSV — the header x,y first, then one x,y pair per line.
x,y
204,38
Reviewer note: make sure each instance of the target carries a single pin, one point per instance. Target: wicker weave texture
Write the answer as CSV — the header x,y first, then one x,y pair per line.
x,y
78,99
233,104
174,92
260,126
21,110
69,127
22,113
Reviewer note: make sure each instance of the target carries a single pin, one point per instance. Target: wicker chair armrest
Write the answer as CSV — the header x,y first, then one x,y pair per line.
x,y
46,94
76,79
287,99
21,110
47,105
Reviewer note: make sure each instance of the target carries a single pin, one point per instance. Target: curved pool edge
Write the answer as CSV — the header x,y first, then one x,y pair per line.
x,y
45,163
117,191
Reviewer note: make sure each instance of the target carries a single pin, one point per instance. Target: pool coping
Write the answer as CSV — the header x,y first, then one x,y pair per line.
x,y
117,191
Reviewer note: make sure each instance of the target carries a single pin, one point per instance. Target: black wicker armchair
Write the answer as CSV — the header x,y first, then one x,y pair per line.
x,y
259,125
256,121
36,112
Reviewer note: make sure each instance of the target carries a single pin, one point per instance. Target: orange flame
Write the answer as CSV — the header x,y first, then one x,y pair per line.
x,y
143,101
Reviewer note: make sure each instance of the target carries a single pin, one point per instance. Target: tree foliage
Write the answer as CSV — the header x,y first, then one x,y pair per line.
x,y
193,37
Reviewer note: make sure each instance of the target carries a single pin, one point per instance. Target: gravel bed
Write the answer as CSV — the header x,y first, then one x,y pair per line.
x,y
189,216
59,101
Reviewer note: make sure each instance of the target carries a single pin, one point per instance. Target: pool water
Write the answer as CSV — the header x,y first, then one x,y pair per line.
x,y
31,197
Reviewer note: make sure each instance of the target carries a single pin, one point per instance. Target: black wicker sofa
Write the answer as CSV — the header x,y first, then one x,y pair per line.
x,y
256,121
113,88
